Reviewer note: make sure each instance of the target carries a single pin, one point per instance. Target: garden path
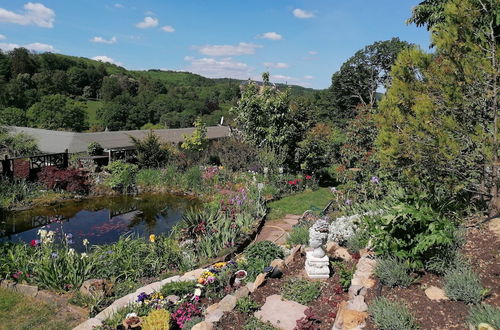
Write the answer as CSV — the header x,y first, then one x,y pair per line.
x,y
276,230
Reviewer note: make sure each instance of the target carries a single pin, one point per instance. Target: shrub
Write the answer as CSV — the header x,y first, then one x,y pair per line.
x,y
484,313
191,323
394,272
123,175
151,152
247,305
345,273
178,288
357,242
299,234
254,323
148,178
300,290
95,149
264,250
236,155
192,180
463,284
71,179
446,260
341,229
157,320
389,315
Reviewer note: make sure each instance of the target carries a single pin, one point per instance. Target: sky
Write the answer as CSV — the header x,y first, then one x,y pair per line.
x,y
300,42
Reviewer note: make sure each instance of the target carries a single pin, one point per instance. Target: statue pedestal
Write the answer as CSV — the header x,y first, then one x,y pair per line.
x,y
317,267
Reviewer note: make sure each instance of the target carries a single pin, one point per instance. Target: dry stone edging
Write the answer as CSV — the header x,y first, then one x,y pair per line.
x,y
352,314
281,313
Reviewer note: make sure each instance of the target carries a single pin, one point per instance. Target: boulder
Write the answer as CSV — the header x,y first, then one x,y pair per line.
x,y
358,304
342,253
259,280
227,303
173,299
353,319
280,263
192,275
241,292
203,326
293,255
97,288
27,290
356,290
339,319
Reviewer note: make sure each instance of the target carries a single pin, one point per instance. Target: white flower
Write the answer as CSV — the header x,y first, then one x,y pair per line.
x,y
85,242
71,252
197,292
84,255
260,186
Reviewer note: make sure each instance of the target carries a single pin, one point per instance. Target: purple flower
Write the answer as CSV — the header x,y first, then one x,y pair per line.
x,y
348,202
142,296
54,255
375,180
69,236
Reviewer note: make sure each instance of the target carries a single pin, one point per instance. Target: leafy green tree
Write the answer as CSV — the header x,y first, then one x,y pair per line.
x,y
439,120
198,140
114,115
18,144
58,112
151,152
13,117
21,61
267,118
361,78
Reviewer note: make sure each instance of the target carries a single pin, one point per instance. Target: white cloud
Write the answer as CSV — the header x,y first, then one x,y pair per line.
x,y
34,13
2,37
242,48
308,77
301,13
277,65
118,5
103,58
101,40
270,36
312,52
168,28
218,68
148,22
288,80
35,46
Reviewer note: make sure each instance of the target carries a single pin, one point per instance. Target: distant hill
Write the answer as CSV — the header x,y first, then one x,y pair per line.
x,y
47,90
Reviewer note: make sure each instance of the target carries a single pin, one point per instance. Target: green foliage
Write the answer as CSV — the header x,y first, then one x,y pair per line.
x,y
58,112
394,272
13,116
345,273
408,227
95,149
197,141
484,313
18,144
390,315
180,289
120,314
122,175
12,192
254,323
448,257
299,234
151,152
299,203
300,290
158,319
264,250
463,284
357,241
191,323
247,305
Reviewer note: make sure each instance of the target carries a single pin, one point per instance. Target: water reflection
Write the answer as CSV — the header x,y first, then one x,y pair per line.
x,y
100,220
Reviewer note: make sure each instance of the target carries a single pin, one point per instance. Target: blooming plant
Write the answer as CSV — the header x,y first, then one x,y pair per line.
x,y
186,311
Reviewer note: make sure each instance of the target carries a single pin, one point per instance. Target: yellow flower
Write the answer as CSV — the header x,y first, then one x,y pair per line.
x,y
152,238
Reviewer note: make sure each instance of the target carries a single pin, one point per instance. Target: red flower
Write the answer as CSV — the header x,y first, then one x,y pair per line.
x,y
309,177
34,242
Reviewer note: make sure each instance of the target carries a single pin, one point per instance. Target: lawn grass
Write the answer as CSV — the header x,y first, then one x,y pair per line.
x,y
299,203
92,107
21,312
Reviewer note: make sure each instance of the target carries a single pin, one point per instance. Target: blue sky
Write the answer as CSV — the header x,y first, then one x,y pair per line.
x,y
300,42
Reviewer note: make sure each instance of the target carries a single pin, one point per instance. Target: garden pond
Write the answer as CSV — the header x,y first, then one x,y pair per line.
x,y
100,220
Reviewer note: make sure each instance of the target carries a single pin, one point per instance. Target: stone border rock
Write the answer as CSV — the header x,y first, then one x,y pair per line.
x,y
352,314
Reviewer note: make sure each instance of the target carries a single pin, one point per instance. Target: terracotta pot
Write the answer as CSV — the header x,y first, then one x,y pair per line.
x,y
134,325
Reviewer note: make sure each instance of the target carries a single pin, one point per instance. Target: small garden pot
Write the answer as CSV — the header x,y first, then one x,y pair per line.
x,y
273,272
133,322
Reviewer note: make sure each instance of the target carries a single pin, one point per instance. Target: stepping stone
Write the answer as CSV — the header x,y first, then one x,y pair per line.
x,y
282,314
435,293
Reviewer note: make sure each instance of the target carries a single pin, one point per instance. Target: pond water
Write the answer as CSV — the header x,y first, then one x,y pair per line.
x,y
100,220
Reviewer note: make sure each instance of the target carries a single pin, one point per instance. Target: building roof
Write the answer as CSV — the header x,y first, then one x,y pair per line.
x,y
58,141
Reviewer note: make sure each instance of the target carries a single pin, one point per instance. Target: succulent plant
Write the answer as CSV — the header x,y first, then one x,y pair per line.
x,y
157,320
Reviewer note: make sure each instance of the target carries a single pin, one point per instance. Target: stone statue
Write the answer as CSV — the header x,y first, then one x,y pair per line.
x,y
317,262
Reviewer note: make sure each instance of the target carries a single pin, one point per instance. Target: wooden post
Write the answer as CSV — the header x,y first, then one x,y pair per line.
x,y
66,159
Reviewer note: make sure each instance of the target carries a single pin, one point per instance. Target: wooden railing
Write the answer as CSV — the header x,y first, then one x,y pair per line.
x,y
10,166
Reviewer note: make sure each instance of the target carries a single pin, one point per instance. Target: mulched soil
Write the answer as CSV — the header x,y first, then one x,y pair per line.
x,y
325,307
482,248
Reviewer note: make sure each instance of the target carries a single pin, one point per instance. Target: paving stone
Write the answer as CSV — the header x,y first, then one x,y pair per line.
x,y
175,278
280,263
342,253
251,287
7,284
353,319
435,293
214,316
356,290
259,280
293,255
241,292
192,275
282,314
203,326
339,319
211,308
27,290
358,304
227,303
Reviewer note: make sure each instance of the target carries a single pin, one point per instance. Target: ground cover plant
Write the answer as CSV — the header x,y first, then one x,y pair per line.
x,y
301,290
391,315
